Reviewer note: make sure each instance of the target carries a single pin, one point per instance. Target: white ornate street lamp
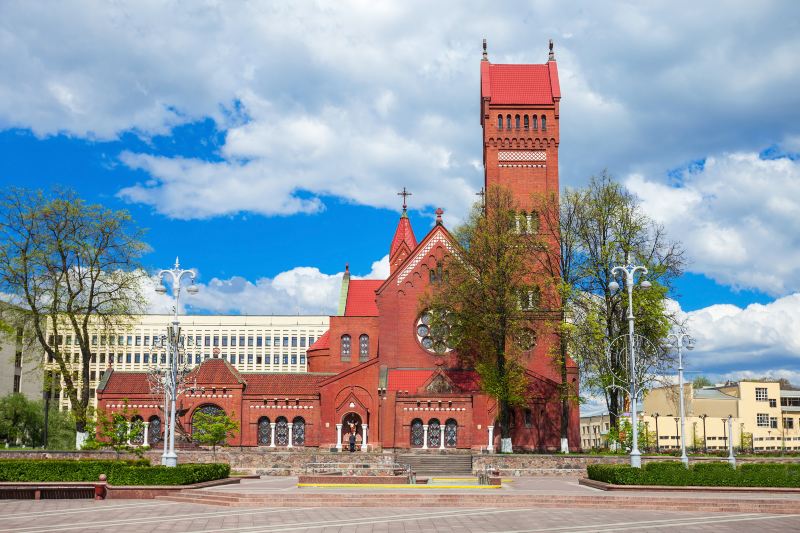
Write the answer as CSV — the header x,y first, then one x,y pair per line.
x,y
678,340
170,458
629,272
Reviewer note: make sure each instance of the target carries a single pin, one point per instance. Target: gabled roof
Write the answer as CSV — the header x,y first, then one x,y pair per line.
x,y
436,235
217,371
520,84
323,342
361,297
413,379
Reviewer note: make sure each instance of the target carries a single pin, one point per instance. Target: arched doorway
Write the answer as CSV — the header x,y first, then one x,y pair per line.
x,y
351,422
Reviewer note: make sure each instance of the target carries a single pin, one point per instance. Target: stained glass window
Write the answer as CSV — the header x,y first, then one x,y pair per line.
x,y
154,431
299,431
264,431
417,433
451,434
434,433
281,432
363,347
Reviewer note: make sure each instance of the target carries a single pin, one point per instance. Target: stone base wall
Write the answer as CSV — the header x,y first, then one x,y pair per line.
x,y
282,463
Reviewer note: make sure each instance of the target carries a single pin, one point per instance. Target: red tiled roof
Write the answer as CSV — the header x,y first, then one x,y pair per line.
x,y
283,384
403,234
361,297
322,342
127,383
520,84
407,380
217,371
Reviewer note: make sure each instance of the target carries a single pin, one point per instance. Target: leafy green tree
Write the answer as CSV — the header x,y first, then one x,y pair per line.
x,y
612,228
20,420
69,266
213,429
120,429
701,381
488,302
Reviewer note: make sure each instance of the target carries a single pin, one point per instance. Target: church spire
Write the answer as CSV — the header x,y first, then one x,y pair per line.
x,y
404,240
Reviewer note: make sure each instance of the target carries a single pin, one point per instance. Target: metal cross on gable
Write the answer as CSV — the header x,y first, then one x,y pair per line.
x,y
404,194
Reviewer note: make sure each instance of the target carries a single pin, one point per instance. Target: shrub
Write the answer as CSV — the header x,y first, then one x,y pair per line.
x,y
704,474
138,472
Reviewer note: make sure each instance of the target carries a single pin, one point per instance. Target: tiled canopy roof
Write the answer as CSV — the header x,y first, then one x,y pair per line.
x,y
520,84
361,297
412,379
126,383
322,342
217,371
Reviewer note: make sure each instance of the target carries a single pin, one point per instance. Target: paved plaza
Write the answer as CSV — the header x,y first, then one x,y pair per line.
x,y
143,516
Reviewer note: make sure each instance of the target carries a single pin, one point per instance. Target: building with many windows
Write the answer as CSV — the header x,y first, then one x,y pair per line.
x,y
765,416
248,343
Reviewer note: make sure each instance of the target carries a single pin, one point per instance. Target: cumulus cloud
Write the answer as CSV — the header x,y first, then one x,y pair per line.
x,y
757,340
301,290
355,98
738,216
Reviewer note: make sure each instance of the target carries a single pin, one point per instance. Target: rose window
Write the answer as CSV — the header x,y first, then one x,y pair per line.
x,y
433,332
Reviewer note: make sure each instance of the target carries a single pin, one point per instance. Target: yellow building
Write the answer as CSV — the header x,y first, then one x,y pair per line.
x,y
764,416
594,431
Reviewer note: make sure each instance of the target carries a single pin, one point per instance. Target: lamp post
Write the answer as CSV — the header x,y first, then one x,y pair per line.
x,y
677,432
731,458
629,272
678,340
174,275
705,440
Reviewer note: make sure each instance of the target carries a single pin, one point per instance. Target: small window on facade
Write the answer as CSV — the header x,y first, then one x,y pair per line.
x,y
508,121
285,359
147,358
275,360
773,422
544,123
250,340
241,340
259,341
94,339
216,340
528,418
527,122
761,394
249,359
762,420
773,402
294,342
302,359
208,340
233,340
294,359
499,122
363,347
302,342
534,124
516,121
267,341
286,341
345,347
225,340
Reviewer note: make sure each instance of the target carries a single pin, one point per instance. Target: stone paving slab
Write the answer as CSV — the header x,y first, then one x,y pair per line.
x,y
154,516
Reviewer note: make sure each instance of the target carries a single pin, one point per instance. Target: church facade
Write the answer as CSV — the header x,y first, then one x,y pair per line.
x,y
376,371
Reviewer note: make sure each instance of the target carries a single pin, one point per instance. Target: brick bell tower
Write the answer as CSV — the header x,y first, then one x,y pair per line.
x,y
519,115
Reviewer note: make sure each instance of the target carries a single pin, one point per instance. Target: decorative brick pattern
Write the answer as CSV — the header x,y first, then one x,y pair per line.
x,y
522,155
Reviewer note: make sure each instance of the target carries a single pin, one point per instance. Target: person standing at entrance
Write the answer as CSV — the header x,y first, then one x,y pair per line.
x,y
352,441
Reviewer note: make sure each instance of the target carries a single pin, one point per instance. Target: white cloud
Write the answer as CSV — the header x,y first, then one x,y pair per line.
x,y
760,337
354,98
739,218
301,290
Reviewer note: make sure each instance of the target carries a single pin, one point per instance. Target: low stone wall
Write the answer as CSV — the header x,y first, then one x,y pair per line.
x,y
355,480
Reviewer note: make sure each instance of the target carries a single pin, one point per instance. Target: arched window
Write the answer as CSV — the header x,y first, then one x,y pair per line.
x,y
544,123
499,122
534,125
417,433
432,276
136,437
345,347
298,431
281,431
508,121
451,434
208,409
434,433
516,121
264,432
363,347
533,222
154,431
527,123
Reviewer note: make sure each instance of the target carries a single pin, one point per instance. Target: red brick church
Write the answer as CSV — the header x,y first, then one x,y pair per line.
x,y
377,370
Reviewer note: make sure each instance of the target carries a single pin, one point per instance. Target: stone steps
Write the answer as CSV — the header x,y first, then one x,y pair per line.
x,y
437,464
415,498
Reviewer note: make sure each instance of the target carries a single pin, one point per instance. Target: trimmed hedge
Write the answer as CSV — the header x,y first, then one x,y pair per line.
x,y
717,474
118,473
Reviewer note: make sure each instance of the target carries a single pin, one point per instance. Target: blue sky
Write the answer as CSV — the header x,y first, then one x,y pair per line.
x,y
264,143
